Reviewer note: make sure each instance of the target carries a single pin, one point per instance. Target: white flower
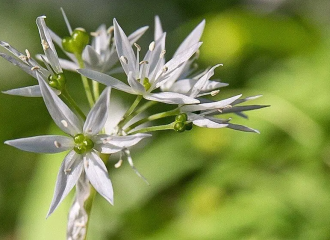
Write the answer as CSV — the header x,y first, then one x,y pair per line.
x,y
30,66
101,54
145,76
85,143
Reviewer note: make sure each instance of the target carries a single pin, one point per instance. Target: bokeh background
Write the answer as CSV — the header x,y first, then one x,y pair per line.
x,y
205,184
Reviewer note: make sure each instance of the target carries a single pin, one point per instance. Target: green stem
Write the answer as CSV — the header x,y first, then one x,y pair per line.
x,y
85,81
153,117
135,113
130,110
96,90
67,97
154,128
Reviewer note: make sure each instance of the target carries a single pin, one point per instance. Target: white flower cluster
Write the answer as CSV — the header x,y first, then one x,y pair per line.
x,y
151,78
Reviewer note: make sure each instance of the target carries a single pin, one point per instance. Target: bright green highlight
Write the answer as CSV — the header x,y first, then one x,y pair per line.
x,y
83,143
76,42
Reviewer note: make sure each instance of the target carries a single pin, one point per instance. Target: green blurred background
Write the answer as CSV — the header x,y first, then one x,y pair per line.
x,y
205,184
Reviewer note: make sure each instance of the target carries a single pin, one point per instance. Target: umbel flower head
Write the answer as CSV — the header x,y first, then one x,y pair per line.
x,y
84,142
147,75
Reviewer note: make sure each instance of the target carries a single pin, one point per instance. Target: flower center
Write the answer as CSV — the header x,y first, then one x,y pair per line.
x,y
57,81
82,143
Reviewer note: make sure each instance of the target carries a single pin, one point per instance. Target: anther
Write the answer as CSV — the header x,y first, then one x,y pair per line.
x,y
65,123
215,92
118,164
28,55
23,58
57,144
137,47
124,59
110,30
143,62
35,68
165,68
44,44
95,34
162,53
66,171
152,46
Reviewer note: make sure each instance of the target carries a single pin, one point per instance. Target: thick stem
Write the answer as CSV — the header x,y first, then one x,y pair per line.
x,y
154,128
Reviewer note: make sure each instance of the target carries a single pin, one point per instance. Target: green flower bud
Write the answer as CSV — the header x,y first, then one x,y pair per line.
x,y
76,42
57,81
182,117
179,127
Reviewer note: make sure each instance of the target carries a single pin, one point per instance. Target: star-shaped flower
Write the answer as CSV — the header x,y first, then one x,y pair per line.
x,y
53,73
145,76
101,54
85,143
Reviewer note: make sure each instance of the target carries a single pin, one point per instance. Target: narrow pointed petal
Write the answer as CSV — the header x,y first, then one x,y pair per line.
x,y
98,115
91,57
70,171
193,38
202,81
68,65
201,121
124,48
47,44
238,101
98,176
209,106
60,112
136,86
111,144
181,57
158,28
242,128
106,80
243,108
133,37
42,144
26,68
171,98
31,91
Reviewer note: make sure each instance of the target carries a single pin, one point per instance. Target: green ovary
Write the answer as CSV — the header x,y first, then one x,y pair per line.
x,y
82,143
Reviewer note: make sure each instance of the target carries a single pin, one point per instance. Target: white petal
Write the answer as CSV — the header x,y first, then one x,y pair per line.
x,y
136,86
48,45
106,79
201,121
133,37
42,144
98,115
210,106
91,57
111,144
60,112
65,64
158,28
181,58
26,68
192,38
171,98
98,175
31,91
67,177
202,81
124,48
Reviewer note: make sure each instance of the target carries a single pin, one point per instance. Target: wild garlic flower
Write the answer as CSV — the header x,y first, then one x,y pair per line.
x,y
101,55
147,75
53,73
85,144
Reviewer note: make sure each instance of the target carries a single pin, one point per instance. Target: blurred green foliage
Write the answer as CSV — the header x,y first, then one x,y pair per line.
x,y
205,184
